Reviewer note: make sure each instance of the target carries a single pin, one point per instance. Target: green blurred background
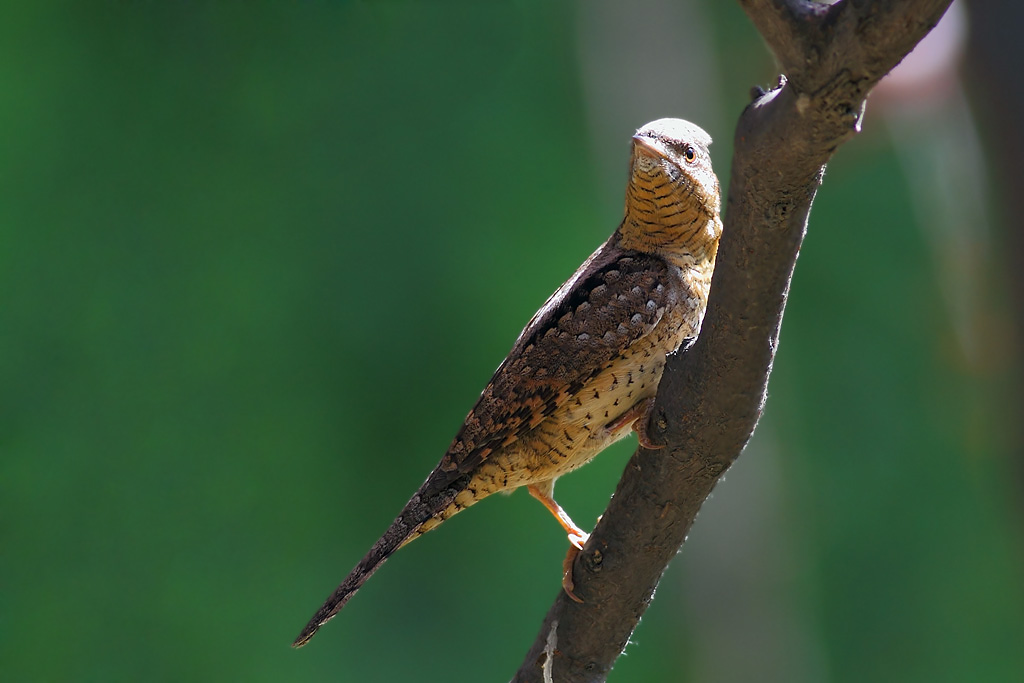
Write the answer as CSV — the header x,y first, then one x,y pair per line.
x,y
257,261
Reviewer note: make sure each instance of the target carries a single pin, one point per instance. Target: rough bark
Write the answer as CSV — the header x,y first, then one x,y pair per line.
x,y
712,395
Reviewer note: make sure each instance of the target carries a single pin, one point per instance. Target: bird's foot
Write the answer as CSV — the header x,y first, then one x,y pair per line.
x,y
577,538
567,564
638,417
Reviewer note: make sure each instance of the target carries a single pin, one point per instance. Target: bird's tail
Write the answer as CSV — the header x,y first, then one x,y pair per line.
x,y
431,505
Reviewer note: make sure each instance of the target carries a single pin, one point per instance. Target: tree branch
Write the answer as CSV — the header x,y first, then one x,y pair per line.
x,y
712,395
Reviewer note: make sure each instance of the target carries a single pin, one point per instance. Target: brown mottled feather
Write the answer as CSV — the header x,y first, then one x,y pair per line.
x,y
615,298
591,356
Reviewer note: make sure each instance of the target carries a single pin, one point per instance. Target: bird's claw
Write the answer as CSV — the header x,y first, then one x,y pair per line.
x,y
577,539
643,418
567,564
637,417
641,434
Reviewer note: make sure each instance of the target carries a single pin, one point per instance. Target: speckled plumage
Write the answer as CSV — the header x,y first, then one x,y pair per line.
x,y
580,373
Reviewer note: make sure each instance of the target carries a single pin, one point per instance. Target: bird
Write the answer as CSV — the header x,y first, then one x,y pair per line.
x,y
585,369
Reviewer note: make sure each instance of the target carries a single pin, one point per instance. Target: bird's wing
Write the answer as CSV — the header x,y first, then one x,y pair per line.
x,y
615,298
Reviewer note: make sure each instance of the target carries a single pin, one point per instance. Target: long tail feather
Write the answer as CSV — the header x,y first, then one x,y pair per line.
x,y
430,502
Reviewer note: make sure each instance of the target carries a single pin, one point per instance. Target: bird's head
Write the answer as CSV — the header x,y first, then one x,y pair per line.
x,y
672,198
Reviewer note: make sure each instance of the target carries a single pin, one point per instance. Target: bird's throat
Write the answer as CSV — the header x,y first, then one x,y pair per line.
x,y
668,216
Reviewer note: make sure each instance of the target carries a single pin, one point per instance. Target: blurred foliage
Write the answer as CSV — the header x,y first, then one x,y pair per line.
x,y
257,262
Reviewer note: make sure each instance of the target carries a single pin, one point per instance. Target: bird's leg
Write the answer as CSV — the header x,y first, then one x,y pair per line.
x,y
638,417
577,536
542,492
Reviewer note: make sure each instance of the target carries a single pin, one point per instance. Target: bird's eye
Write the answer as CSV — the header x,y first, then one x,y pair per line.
x,y
689,154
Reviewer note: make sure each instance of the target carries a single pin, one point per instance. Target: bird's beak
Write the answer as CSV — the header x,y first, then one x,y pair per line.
x,y
645,145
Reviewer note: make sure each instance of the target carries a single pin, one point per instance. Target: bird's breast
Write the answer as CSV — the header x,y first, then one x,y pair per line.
x,y
632,377
578,429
